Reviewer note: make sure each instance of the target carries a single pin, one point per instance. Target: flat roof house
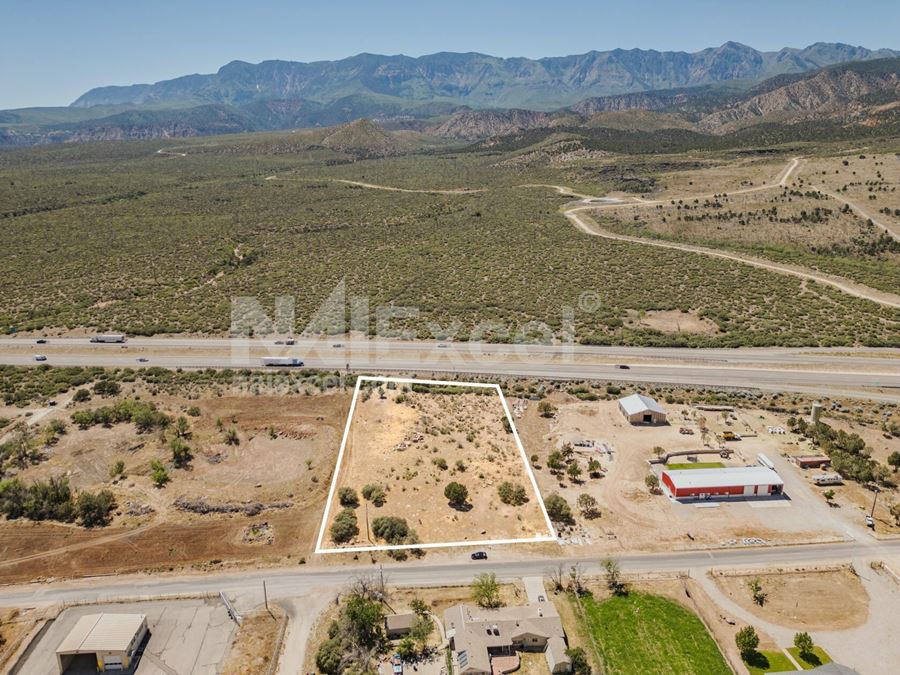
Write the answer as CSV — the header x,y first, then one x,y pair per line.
x,y
740,481
640,409
486,641
109,641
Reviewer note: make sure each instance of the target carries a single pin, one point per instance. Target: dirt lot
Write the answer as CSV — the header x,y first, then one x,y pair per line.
x,y
414,444
254,644
811,600
631,518
283,461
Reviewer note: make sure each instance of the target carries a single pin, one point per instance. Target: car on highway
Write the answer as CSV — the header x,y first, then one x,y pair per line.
x,y
290,341
40,341
279,342
443,346
142,359
40,357
337,345
622,366
479,555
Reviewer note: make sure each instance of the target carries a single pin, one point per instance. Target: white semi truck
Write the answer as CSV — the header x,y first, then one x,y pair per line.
x,y
282,361
109,337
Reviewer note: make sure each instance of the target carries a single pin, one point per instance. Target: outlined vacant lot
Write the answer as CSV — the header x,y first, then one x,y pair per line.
x,y
405,441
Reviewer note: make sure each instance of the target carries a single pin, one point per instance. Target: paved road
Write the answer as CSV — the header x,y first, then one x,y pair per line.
x,y
866,373
293,582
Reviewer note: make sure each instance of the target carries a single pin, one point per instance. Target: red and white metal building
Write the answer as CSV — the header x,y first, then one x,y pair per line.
x,y
742,481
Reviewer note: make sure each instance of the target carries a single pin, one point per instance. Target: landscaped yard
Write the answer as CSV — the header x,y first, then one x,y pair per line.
x,y
695,465
643,633
819,657
768,662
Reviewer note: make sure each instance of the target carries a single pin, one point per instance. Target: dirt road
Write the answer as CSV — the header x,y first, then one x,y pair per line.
x,y
844,285
840,283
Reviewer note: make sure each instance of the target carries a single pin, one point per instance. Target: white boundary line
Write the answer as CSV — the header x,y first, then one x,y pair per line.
x,y
484,542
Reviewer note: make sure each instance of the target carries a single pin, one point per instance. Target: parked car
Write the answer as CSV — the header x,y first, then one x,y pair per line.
x,y
51,402
870,522
479,555
40,357
40,341
397,664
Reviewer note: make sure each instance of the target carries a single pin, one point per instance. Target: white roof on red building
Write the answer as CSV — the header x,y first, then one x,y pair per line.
x,y
725,477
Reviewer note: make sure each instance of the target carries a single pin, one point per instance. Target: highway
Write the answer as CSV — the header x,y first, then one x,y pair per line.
x,y
872,374
296,582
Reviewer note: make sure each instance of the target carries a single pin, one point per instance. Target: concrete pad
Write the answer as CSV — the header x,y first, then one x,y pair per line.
x,y
186,636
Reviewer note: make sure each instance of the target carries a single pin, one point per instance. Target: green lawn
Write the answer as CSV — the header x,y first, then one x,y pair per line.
x,y
819,657
768,662
642,633
695,465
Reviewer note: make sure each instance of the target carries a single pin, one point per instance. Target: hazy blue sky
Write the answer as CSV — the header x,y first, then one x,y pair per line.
x,y
53,50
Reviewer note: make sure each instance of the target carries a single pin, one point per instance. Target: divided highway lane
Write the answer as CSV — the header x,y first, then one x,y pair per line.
x,y
291,582
873,374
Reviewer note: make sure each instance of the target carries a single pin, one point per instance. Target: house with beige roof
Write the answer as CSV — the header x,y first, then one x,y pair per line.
x,y
487,641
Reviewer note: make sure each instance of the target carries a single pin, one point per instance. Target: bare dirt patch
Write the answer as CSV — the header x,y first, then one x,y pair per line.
x,y
632,518
413,443
675,321
282,462
253,648
807,600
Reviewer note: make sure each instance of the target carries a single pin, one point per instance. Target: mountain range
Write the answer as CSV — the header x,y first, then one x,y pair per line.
x,y
479,80
471,96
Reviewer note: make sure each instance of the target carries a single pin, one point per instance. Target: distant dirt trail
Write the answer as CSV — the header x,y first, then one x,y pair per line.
x,y
844,285
390,188
169,153
840,283
81,545
860,212
780,181
591,203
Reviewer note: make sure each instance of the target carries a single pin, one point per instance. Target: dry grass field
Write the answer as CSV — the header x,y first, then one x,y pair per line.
x,y
257,497
413,441
804,600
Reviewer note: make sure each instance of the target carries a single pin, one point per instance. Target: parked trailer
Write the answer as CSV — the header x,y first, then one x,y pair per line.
x,y
762,460
827,479
282,361
110,337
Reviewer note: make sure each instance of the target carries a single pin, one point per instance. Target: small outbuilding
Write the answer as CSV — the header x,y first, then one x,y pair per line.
x,y
107,641
740,481
640,409
811,461
398,625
